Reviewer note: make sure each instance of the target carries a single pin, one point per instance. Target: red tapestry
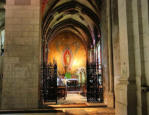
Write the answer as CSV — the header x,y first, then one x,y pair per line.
x,y
67,57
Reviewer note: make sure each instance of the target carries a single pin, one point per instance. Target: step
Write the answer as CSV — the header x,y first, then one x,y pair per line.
x,y
79,105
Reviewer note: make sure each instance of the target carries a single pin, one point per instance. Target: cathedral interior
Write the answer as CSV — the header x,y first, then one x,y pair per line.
x,y
88,54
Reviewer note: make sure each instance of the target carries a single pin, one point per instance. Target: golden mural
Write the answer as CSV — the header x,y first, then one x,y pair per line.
x,y
68,52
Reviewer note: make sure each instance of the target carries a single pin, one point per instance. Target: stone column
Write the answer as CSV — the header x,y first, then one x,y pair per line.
x,y
104,49
127,100
110,99
22,55
115,41
143,8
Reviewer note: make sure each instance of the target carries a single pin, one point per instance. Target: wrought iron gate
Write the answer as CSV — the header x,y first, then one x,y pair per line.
x,y
94,88
49,83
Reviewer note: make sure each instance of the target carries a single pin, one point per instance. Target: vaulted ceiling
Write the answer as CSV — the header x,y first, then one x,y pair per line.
x,y
81,17
2,14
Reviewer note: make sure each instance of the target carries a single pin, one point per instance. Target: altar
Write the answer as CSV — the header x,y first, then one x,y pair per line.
x,y
73,85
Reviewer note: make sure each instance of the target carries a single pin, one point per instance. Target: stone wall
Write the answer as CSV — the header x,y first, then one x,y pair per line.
x,y
22,55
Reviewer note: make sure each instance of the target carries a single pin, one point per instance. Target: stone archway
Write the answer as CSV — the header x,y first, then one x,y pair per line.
x,y
57,16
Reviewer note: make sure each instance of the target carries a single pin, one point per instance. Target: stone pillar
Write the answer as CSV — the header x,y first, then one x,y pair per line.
x,y
115,41
127,100
143,8
110,94
104,49
22,55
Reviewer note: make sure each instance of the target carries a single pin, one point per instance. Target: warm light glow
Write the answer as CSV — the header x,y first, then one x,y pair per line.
x,y
57,49
75,62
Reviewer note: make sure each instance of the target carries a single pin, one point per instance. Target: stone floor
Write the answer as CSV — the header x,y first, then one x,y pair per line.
x,y
74,104
88,111
73,111
73,99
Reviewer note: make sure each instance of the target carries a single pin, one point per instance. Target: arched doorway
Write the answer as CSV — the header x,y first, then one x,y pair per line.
x,y
82,21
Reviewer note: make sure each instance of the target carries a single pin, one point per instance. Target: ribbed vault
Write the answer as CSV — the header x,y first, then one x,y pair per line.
x,y
82,17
